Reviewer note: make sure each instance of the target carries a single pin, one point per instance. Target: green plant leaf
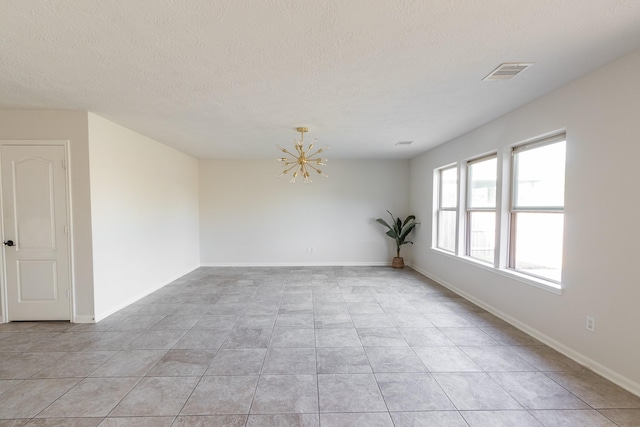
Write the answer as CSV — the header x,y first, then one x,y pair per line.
x,y
393,219
407,230
409,218
399,229
383,222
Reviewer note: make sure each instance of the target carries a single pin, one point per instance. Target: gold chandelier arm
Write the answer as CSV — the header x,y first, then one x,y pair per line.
x,y
284,150
317,152
316,169
319,161
288,160
305,174
287,170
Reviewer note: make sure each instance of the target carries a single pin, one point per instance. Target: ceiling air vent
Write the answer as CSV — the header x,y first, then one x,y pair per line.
x,y
404,142
508,70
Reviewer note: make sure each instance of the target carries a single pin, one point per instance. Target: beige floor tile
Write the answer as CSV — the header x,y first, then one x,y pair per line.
x,y
428,418
92,397
210,421
500,419
373,419
28,398
623,417
572,418
446,359
298,346
137,422
130,363
595,390
535,390
185,363
412,392
156,396
286,394
64,422
475,391
349,393
219,395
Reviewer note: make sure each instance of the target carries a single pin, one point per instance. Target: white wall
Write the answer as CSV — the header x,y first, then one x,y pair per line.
x,y
249,216
144,209
71,126
601,113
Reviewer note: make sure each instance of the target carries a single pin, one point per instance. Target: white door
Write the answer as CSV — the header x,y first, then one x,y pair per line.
x,y
35,233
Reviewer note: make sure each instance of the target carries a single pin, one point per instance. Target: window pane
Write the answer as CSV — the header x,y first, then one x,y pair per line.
x,y
538,244
539,176
449,188
482,183
482,235
447,230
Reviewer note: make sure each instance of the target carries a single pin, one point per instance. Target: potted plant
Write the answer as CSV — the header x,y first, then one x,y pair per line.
x,y
399,232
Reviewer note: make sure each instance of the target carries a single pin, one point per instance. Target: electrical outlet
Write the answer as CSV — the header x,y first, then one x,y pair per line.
x,y
591,324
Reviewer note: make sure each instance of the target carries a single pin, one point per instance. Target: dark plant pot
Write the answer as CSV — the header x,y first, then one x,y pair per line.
x,y
397,262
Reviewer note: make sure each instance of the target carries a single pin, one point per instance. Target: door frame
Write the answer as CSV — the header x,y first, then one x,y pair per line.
x,y
4,303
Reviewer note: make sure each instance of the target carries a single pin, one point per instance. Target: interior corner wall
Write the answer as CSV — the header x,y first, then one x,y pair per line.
x,y
144,211
69,126
250,217
600,112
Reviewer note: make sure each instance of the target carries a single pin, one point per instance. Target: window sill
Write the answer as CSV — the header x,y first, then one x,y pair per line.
x,y
523,278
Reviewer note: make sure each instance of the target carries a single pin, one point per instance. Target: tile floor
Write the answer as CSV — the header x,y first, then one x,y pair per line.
x,y
330,346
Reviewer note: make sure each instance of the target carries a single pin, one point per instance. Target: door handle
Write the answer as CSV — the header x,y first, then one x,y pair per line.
x,y
8,243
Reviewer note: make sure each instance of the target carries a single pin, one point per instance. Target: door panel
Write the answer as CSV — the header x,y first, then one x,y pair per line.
x,y
34,208
37,281
34,203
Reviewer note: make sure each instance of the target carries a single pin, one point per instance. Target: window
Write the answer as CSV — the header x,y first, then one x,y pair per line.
x,y
480,239
447,208
537,208
514,226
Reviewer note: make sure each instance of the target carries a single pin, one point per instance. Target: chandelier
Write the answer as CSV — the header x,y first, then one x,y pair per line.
x,y
303,160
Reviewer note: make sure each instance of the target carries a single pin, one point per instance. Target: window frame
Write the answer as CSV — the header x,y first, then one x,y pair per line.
x,y
469,209
440,208
515,210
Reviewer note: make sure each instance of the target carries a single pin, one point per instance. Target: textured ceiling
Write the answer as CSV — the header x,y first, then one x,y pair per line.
x,y
233,78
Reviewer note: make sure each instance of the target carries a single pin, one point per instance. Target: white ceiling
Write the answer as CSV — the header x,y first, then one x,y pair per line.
x,y
233,78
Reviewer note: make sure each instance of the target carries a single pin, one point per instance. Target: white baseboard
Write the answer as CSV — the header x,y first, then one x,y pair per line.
x,y
296,264
83,318
139,296
611,375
